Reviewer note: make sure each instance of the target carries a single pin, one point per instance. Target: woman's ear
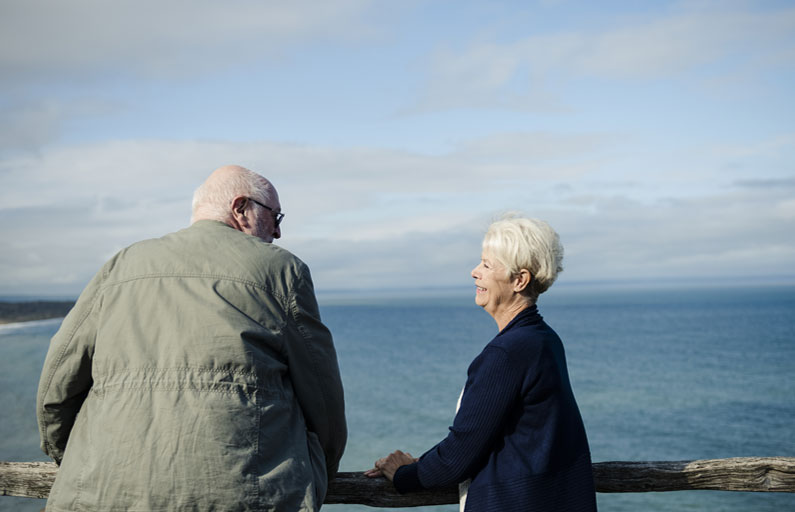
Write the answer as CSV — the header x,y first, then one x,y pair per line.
x,y
522,280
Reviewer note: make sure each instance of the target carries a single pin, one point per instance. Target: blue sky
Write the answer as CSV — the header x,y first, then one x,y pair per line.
x,y
658,138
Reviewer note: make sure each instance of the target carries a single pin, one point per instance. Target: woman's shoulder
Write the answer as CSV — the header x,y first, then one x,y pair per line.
x,y
525,338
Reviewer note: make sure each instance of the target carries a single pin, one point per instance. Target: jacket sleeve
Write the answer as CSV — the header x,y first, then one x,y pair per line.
x,y
66,377
492,389
315,374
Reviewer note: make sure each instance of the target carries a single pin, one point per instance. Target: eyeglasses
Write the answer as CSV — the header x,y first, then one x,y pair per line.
x,y
277,216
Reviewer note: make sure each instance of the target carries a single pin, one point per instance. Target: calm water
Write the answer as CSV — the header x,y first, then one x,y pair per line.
x,y
658,374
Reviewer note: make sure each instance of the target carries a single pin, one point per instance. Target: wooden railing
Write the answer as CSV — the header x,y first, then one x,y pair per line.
x,y
757,474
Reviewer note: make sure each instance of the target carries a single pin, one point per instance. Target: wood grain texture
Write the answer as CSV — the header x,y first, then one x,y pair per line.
x,y
28,479
769,474
757,474
355,488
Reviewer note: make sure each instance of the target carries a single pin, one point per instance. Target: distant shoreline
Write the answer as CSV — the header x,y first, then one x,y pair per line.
x,y
30,311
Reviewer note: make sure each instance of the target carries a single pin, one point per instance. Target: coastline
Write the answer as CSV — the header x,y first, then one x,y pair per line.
x,y
5,326
24,312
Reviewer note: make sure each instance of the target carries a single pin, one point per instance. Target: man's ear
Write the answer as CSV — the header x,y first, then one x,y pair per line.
x,y
240,221
522,280
239,204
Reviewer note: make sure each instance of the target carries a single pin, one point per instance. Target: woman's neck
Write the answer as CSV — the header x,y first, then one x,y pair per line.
x,y
504,316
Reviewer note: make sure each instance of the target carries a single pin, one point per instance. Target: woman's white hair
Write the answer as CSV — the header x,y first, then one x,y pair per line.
x,y
213,199
518,242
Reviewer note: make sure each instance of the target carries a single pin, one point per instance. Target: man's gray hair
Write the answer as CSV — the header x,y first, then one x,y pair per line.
x,y
519,242
213,199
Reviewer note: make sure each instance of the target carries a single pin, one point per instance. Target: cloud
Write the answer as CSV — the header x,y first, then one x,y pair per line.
x,y
774,148
523,74
29,124
533,146
414,260
89,60
733,233
340,181
786,183
82,38
370,217
28,127
669,189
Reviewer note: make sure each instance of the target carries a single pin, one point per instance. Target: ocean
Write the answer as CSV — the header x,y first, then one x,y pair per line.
x,y
659,374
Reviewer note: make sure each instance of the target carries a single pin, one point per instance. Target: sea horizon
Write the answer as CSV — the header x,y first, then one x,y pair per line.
x,y
561,286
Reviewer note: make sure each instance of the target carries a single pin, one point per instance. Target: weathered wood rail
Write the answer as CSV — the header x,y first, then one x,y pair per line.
x,y
756,474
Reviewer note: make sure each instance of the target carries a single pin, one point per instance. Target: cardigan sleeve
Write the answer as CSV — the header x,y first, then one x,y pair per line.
x,y
492,390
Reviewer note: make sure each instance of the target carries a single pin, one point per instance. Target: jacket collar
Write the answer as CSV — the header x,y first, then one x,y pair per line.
x,y
527,316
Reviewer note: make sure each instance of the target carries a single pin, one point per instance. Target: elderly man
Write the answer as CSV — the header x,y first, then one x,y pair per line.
x,y
194,372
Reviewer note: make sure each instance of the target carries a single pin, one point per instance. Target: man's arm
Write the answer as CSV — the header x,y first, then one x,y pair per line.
x,y
66,376
315,373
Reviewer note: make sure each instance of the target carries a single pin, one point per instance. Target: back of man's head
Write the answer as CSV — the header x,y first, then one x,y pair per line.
x,y
213,199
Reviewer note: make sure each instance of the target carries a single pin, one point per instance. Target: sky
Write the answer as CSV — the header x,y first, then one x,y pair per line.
x,y
657,138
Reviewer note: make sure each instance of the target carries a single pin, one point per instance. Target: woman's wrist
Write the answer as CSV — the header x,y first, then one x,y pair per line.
x,y
407,478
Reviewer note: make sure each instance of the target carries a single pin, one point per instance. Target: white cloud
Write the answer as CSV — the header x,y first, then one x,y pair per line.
x,y
532,147
28,127
686,40
523,74
89,60
737,232
30,124
381,218
39,38
327,184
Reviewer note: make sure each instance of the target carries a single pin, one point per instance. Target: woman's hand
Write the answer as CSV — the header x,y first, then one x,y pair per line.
x,y
389,464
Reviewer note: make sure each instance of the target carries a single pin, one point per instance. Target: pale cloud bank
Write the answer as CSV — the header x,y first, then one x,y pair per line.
x,y
366,218
657,140
718,39
83,38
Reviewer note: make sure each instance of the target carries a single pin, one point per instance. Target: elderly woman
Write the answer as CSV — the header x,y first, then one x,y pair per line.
x,y
517,441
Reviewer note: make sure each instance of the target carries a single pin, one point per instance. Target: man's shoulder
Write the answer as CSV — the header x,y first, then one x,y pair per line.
x,y
214,232
241,249
207,247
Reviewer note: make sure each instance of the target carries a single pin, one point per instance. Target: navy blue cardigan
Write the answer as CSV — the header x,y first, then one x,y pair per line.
x,y
518,433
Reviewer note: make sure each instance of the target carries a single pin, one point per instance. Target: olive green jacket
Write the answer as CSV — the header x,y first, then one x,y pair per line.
x,y
193,373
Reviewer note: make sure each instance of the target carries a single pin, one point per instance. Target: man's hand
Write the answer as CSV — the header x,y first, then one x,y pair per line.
x,y
388,465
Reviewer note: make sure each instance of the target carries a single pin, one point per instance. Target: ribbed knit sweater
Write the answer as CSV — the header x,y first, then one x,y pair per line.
x,y
518,433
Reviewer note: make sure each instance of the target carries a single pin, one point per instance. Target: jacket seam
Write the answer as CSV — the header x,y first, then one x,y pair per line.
x,y
176,388
310,348
130,369
224,277
57,363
